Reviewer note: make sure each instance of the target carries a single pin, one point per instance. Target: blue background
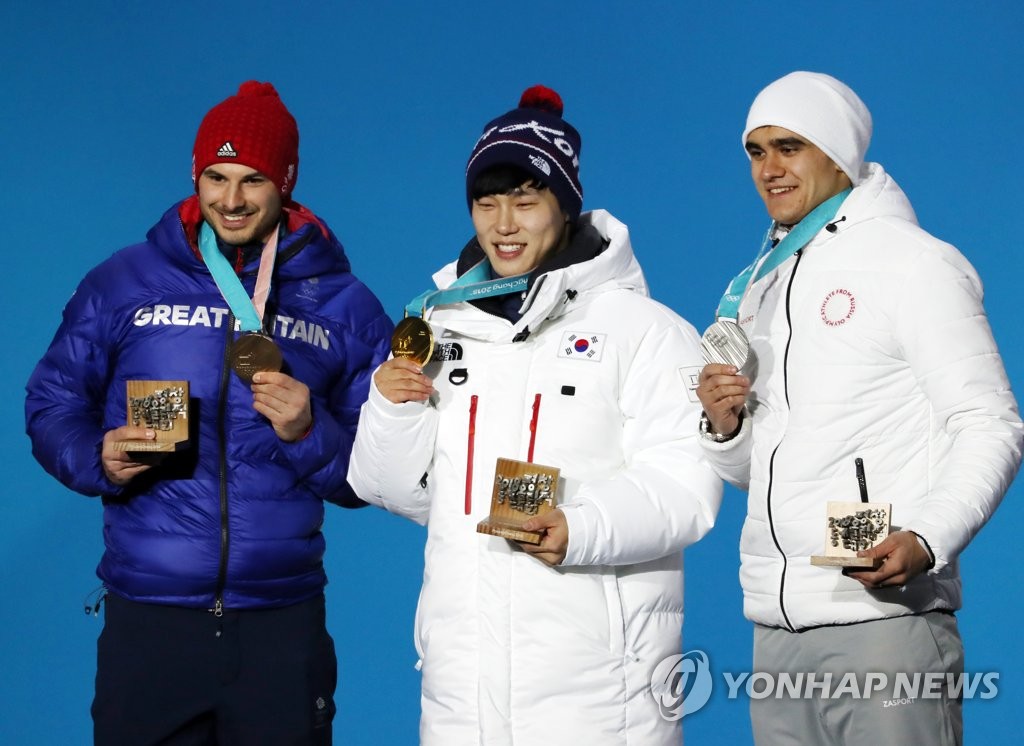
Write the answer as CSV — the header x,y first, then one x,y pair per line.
x,y
101,102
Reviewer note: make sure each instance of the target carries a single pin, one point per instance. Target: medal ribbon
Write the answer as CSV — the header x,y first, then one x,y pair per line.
x,y
800,235
249,313
476,283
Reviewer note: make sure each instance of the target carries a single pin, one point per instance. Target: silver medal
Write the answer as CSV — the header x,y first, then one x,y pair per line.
x,y
726,344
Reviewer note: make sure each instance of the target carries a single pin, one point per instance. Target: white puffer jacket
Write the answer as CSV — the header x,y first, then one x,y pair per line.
x,y
514,651
872,342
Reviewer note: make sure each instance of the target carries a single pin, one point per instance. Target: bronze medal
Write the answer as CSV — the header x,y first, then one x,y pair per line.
x,y
725,343
253,353
413,339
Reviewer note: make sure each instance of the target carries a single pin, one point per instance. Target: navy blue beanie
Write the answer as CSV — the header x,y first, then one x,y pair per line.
x,y
535,138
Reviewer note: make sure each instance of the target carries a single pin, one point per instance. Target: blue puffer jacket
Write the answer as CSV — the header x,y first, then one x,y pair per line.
x,y
235,519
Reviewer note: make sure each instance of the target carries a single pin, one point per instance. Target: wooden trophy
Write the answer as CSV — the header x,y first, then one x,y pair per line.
x,y
521,491
161,406
853,526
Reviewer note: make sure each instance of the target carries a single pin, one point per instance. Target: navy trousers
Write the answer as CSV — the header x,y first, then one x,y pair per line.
x,y
170,675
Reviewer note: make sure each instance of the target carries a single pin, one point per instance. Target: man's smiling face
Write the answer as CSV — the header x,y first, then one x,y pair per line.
x,y
517,231
240,204
792,175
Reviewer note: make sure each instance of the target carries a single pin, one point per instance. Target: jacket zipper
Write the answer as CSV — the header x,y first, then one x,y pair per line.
x,y
771,463
222,570
469,454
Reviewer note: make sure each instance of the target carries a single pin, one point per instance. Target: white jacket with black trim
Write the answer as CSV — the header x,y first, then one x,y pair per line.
x,y
871,342
514,651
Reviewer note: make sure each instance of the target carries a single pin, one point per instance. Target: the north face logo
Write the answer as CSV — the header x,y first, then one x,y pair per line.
x,y
542,164
447,351
226,151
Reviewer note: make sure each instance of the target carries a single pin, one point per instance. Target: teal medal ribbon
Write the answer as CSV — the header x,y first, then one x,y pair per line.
x,y
254,351
414,339
227,281
473,285
800,235
724,342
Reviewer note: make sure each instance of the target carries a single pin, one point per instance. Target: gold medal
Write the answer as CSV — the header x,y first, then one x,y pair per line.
x,y
253,353
413,339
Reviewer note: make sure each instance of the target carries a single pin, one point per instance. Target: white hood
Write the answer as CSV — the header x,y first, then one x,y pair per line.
x,y
615,267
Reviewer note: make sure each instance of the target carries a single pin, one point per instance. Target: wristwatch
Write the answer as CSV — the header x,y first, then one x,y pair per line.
x,y
708,433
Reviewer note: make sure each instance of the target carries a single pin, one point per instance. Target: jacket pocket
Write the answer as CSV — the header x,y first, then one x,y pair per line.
x,y
616,620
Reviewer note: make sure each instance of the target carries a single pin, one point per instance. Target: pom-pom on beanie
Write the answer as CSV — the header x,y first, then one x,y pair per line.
x,y
822,109
252,128
535,138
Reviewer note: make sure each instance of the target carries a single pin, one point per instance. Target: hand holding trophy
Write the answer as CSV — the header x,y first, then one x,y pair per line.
x,y
853,527
521,491
161,406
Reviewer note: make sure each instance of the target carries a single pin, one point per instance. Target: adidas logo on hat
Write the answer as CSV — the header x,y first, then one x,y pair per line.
x,y
226,151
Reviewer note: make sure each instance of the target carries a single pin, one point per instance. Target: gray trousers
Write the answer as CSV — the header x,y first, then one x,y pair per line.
x,y
808,712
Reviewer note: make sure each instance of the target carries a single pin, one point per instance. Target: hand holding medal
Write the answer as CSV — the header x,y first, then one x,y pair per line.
x,y
401,378
723,387
724,382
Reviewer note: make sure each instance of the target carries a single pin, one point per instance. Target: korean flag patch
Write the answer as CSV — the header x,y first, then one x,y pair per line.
x,y
582,345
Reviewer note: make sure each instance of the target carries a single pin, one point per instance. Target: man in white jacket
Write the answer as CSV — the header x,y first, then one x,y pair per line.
x,y
576,369
869,341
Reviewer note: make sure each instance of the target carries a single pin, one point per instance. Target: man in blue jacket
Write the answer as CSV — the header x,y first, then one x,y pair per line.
x,y
213,569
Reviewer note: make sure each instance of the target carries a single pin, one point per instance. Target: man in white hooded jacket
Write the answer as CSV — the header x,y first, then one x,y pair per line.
x,y
582,371
869,342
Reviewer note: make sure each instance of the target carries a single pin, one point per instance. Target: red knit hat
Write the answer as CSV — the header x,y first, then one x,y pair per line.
x,y
252,128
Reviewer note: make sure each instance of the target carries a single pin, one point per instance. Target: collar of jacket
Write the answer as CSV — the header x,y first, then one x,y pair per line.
x,y
585,243
296,216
